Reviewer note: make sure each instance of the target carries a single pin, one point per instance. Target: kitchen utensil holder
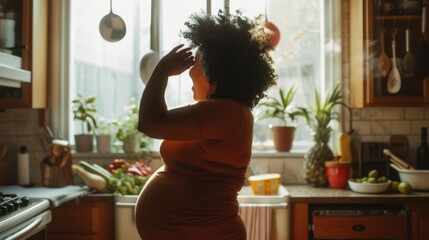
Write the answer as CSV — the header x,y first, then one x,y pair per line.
x,y
56,176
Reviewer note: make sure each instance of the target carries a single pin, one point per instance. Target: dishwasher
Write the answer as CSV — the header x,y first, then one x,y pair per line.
x,y
125,223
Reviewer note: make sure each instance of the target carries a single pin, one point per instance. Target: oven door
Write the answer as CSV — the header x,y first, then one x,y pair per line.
x,y
29,228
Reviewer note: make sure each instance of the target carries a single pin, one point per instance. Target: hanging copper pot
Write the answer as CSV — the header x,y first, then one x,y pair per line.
x,y
275,33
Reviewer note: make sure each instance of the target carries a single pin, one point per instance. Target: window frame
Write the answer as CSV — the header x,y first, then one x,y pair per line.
x,y
59,101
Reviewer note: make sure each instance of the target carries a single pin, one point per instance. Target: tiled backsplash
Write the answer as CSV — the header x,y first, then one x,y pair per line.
x,y
20,127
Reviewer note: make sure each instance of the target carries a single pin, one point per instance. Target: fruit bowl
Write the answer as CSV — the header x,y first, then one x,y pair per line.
x,y
368,187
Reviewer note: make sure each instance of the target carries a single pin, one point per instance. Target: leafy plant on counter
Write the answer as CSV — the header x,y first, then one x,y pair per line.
x,y
84,110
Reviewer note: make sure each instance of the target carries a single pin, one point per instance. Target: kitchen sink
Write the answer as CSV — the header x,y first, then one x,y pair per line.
x,y
246,195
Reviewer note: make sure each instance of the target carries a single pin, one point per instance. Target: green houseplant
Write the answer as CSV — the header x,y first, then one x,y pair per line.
x,y
318,117
84,111
282,109
127,133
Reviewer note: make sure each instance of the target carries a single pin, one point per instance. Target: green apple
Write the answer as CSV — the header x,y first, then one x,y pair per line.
x,y
404,187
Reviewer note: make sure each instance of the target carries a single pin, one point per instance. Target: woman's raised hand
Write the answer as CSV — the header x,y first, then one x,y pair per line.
x,y
176,61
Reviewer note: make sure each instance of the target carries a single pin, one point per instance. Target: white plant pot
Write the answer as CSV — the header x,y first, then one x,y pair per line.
x,y
103,143
84,142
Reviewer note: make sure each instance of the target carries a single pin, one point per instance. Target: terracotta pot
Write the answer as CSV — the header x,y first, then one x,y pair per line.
x,y
283,137
84,142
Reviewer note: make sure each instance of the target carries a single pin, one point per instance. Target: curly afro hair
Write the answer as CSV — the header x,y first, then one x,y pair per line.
x,y
234,55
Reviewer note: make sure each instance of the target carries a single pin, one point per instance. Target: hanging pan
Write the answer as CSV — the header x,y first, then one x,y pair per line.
x,y
112,27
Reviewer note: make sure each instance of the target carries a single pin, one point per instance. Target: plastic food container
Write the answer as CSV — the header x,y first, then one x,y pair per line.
x,y
418,179
265,184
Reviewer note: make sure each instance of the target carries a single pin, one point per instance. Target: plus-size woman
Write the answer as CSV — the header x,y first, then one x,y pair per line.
x,y
207,144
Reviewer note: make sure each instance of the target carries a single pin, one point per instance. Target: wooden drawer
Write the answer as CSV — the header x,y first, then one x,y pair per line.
x,y
360,227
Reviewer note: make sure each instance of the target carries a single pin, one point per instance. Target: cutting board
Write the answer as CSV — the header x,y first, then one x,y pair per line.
x,y
398,145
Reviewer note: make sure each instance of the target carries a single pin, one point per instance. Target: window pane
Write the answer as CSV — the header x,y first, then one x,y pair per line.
x,y
110,71
107,70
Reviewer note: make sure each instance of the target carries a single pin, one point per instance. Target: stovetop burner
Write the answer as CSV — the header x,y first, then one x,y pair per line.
x,y
15,209
11,202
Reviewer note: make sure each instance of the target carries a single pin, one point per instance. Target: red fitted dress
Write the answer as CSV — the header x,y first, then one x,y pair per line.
x,y
194,195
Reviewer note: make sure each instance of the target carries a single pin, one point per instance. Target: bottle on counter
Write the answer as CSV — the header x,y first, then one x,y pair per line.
x,y
423,151
23,166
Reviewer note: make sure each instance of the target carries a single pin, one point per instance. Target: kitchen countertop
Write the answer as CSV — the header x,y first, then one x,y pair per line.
x,y
306,193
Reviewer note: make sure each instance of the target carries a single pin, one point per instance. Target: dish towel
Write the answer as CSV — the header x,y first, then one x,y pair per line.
x,y
258,220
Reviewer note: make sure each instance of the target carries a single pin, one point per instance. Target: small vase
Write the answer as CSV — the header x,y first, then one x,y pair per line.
x,y
131,143
315,158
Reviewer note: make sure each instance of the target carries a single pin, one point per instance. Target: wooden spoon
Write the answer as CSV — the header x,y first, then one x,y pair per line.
x,y
394,81
396,160
384,61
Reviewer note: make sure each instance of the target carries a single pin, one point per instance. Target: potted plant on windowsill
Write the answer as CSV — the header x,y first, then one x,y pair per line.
x,y
127,133
282,109
84,111
105,131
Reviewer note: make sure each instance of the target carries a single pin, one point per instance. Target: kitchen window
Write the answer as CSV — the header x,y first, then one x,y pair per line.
x,y
305,56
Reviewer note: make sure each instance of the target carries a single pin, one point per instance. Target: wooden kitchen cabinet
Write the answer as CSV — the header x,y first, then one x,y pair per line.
x,y
368,83
31,32
89,218
419,214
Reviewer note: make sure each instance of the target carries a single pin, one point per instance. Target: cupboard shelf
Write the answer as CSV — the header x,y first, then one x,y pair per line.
x,y
32,32
368,84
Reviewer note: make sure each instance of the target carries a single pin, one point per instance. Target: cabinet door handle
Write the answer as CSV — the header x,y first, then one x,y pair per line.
x,y
358,228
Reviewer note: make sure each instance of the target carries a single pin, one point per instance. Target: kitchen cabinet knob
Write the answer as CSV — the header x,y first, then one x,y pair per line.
x,y
358,228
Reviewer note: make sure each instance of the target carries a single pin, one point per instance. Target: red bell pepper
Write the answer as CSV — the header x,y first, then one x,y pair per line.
x,y
119,163
144,169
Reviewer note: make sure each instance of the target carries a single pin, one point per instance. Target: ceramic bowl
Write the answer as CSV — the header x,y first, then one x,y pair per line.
x,y
418,179
368,187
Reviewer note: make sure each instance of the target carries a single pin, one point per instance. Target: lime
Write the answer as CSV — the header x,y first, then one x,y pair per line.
x,y
394,186
373,173
404,187
372,180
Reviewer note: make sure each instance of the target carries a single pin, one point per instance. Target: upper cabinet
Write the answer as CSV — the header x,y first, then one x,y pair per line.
x,y
387,55
31,44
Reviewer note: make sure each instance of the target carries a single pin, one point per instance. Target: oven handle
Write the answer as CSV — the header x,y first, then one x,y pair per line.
x,y
35,223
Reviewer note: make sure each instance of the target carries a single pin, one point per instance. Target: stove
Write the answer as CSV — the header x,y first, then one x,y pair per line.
x,y
22,217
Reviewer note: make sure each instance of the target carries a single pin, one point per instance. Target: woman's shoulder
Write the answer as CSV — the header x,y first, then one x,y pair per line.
x,y
224,108
222,102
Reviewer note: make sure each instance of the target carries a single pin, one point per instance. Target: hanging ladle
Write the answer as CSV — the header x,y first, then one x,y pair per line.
x,y
394,80
112,27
